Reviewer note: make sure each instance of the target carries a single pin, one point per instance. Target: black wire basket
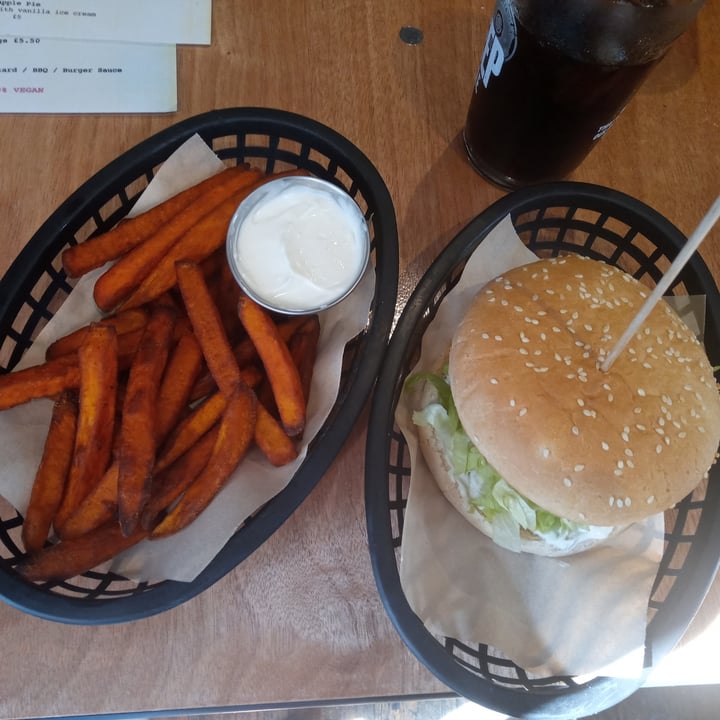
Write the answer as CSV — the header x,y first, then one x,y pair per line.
x,y
35,286
551,219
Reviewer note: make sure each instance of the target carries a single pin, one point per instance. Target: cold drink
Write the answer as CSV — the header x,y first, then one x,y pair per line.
x,y
552,82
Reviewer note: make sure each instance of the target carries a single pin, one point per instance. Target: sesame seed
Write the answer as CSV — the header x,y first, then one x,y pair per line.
x,y
604,445
545,452
494,381
579,468
650,500
523,411
575,430
567,481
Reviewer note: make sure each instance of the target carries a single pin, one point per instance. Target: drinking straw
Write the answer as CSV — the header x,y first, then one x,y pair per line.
x,y
703,228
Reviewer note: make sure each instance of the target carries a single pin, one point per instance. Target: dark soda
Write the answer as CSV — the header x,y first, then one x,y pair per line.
x,y
543,109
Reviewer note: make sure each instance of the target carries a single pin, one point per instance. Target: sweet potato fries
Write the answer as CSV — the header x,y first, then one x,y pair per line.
x,y
156,404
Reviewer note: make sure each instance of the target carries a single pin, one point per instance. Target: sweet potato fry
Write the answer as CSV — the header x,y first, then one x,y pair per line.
x,y
47,490
190,429
95,252
246,354
211,265
235,433
271,438
45,380
198,243
138,432
226,293
276,359
96,508
168,485
303,346
97,359
121,279
207,325
123,322
205,384
74,557
183,368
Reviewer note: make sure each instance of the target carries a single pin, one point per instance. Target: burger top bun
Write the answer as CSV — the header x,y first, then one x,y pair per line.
x,y
603,448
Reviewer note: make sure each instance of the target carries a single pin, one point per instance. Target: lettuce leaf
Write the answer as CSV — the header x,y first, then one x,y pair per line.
x,y
482,487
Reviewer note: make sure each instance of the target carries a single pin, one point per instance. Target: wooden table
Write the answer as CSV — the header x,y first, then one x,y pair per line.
x,y
301,620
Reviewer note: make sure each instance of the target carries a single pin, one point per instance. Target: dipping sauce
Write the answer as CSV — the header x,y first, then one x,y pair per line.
x,y
298,245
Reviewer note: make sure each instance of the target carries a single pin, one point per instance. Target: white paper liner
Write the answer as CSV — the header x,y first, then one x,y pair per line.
x,y
579,615
183,556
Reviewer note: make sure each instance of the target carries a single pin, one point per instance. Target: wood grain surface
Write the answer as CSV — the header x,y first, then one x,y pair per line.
x,y
301,620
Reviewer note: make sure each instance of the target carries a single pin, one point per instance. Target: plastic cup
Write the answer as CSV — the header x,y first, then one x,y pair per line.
x,y
554,76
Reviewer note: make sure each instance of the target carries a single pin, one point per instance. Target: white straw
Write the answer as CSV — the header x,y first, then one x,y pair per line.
x,y
683,256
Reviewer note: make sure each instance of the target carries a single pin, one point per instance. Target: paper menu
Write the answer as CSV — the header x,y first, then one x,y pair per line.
x,y
39,75
139,21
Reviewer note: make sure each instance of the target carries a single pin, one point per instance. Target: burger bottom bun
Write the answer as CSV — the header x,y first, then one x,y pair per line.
x,y
438,464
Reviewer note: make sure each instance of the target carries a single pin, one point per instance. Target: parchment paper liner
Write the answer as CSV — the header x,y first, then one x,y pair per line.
x,y
579,615
183,556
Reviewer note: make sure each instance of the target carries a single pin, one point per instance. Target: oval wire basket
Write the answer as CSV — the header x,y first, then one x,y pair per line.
x,y
552,219
35,286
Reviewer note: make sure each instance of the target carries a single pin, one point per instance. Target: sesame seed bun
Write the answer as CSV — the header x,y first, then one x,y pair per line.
x,y
602,448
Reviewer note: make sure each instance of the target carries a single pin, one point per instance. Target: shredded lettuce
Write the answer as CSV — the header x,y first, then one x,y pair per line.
x,y
482,487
